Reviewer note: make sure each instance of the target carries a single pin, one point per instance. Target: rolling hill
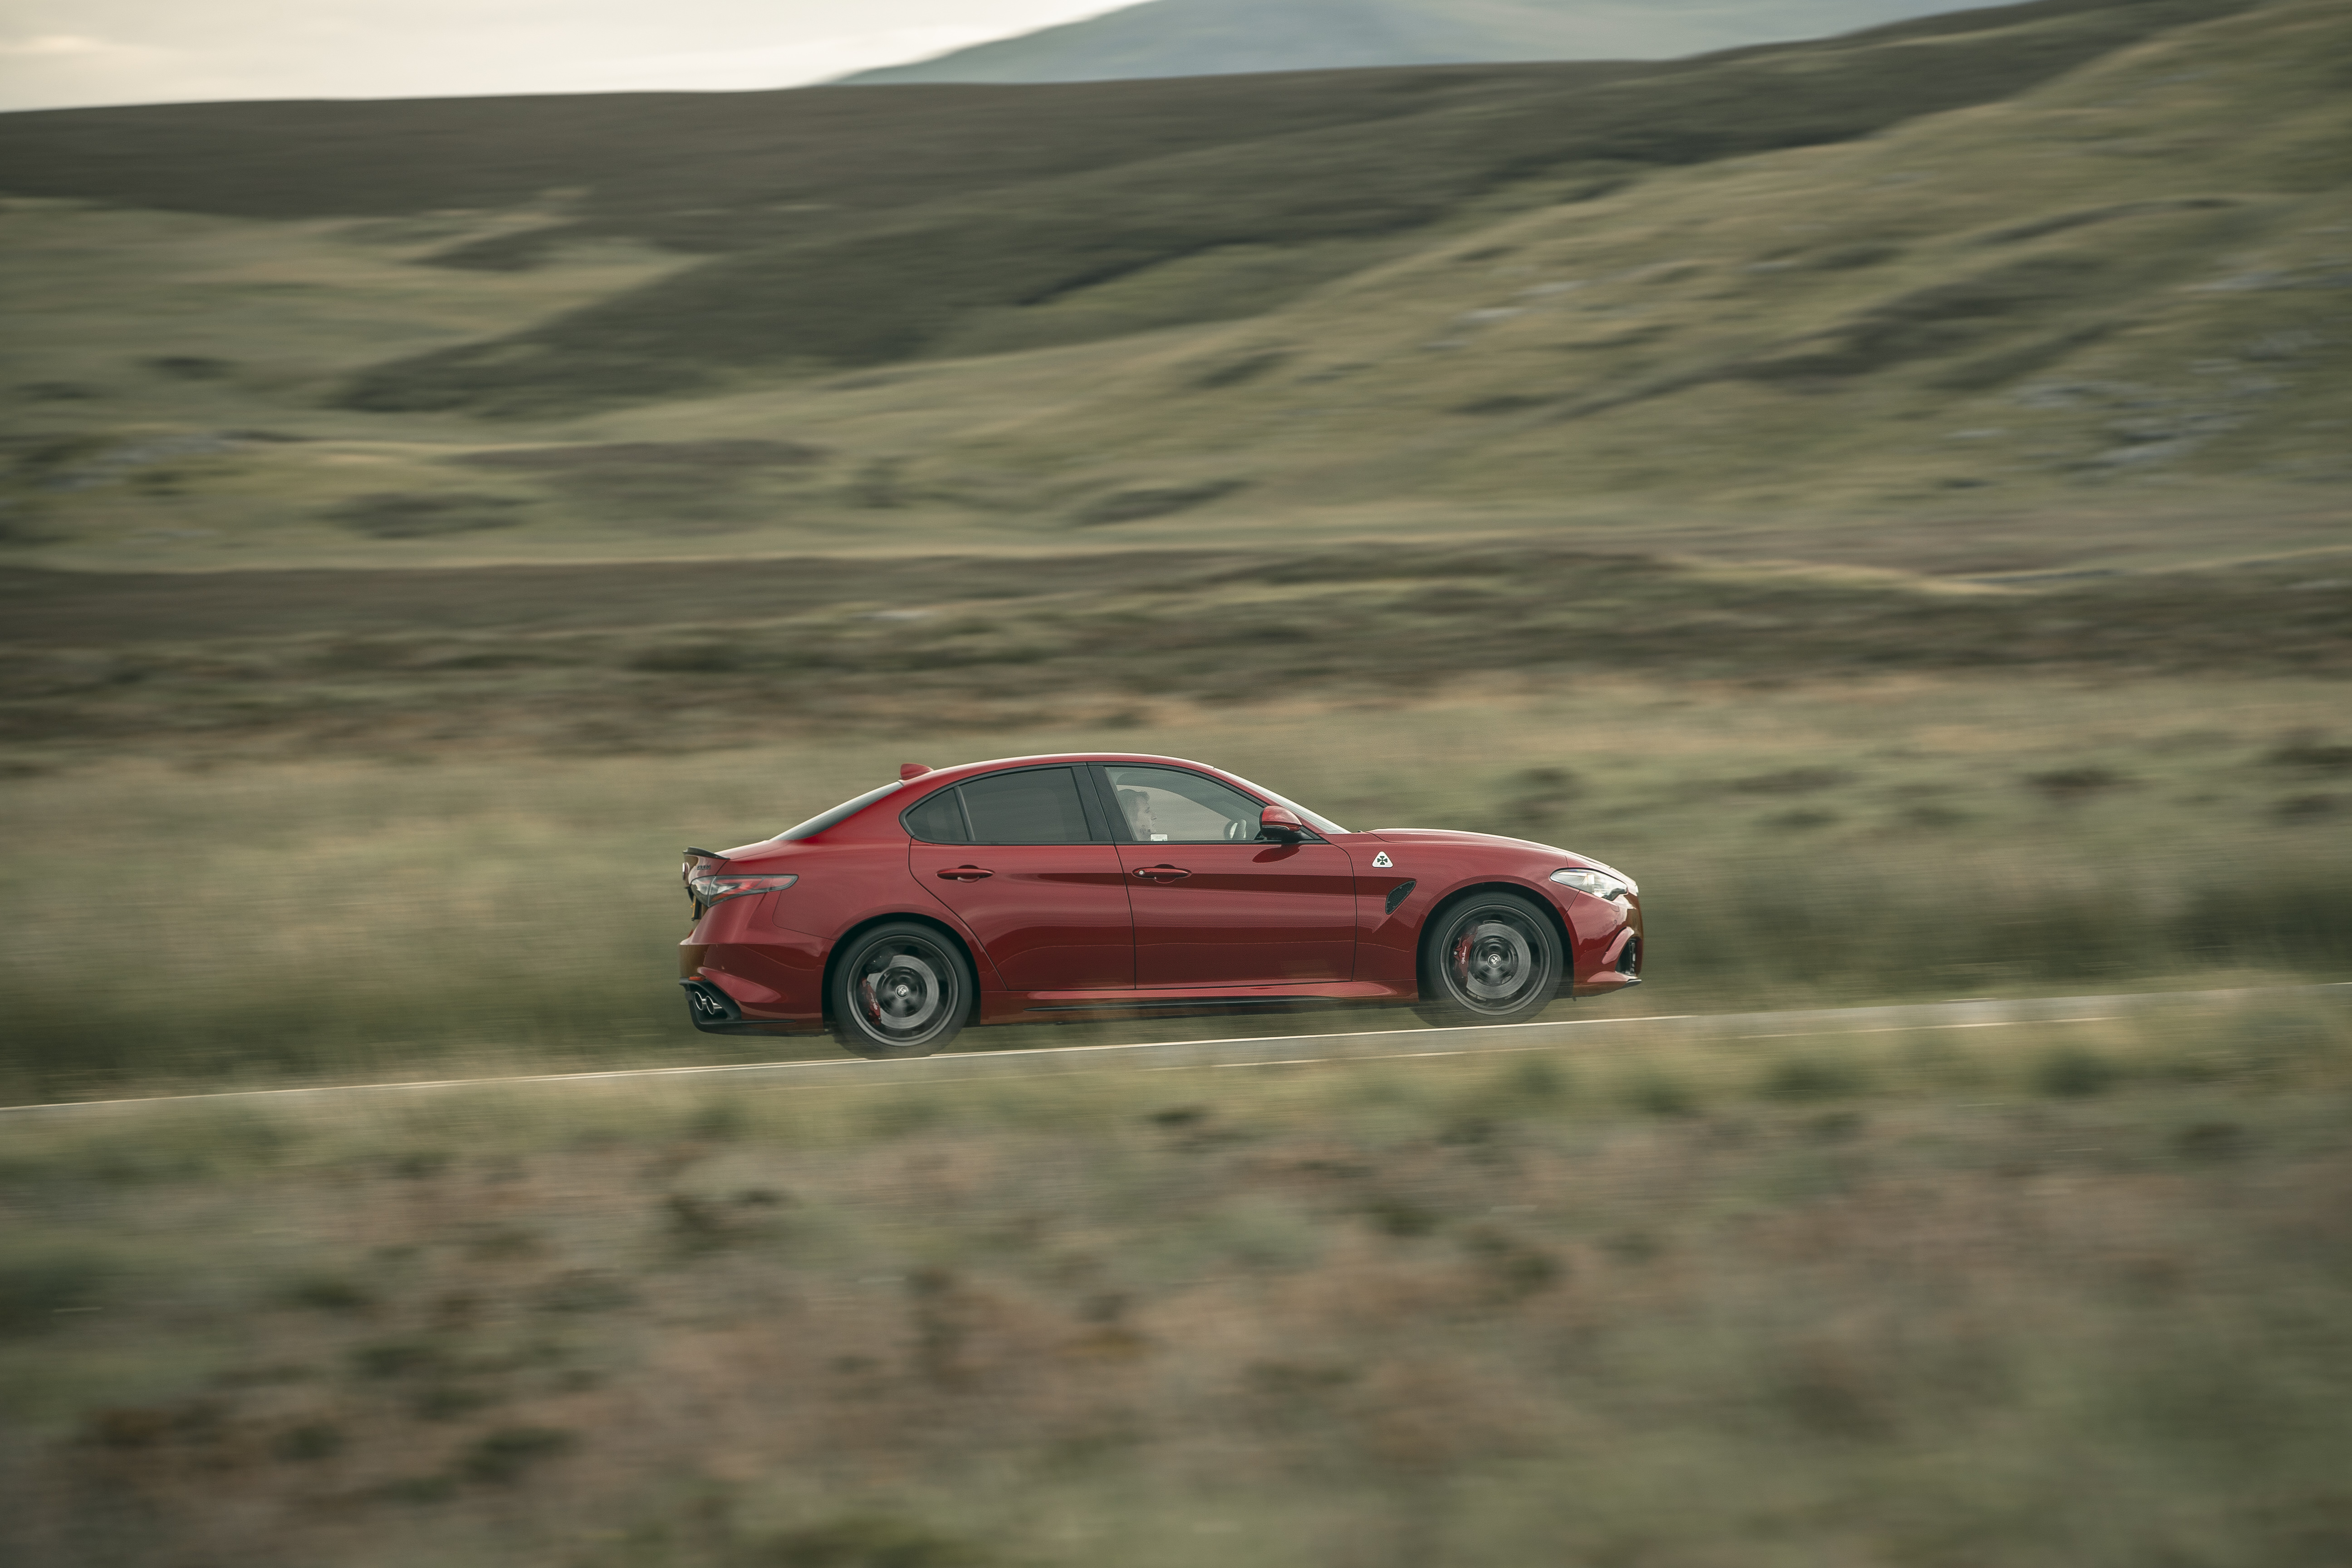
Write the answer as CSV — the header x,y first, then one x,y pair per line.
x,y
1213,38
1276,205
2118,282
1969,272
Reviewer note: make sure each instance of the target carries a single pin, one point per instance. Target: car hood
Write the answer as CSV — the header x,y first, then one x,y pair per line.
x,y
1454,835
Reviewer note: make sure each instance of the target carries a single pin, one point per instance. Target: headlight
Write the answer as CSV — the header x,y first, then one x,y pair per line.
x,y
1600,884
718,890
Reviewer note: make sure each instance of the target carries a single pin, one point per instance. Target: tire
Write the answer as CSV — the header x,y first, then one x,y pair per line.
x,y
900,989
1494,958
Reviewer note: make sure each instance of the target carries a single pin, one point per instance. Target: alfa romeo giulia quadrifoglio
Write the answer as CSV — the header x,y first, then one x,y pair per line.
x,y
1099,886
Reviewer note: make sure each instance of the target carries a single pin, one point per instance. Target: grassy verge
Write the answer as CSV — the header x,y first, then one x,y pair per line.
x,y
215,919
2037,1295
600,658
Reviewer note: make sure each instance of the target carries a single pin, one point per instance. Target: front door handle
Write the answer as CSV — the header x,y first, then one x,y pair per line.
x,y
965,873
1162,873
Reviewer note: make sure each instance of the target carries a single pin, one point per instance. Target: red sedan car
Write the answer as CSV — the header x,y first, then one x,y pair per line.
x,y
1107,886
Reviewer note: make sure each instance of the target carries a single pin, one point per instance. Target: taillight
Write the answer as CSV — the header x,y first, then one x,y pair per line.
x,y
709,889
707,885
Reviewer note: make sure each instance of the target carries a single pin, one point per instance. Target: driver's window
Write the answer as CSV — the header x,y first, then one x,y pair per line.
x,y
1164,805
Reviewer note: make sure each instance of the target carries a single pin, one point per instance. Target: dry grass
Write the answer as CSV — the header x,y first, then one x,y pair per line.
x,y
584,657
460,910
1873,1298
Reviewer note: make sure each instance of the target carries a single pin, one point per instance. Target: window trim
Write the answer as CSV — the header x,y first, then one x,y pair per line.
x,y
1102,816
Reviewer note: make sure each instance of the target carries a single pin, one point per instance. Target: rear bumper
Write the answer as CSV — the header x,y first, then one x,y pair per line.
x,y
714,1012
754,988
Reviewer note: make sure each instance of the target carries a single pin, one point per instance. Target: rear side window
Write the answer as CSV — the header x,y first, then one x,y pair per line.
x,y
939,820
1036,806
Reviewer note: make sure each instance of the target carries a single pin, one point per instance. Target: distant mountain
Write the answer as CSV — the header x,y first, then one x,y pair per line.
x,y
1219,38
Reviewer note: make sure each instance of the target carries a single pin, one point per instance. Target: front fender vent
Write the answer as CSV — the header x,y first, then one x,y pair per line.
x,y
1399,894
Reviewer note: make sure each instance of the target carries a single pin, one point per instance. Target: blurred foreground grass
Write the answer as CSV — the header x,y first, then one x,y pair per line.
x,y
2042,1295
216,921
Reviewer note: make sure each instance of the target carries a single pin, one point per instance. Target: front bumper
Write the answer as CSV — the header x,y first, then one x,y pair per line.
x,y
1608,943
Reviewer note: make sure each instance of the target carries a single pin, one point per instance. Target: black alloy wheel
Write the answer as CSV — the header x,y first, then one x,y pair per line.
x,y
1495,958
900,989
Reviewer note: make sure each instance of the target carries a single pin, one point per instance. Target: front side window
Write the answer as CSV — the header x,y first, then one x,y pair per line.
x,y
1169,805
1035,806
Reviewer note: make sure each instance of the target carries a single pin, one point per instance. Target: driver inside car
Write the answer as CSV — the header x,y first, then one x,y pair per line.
x,y
1139,820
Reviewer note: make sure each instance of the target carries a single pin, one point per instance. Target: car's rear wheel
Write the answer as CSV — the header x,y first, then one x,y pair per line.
x,y
1494,958
900,989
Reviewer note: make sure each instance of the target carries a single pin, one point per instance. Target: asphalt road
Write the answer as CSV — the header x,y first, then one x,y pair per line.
x,y
1288,1050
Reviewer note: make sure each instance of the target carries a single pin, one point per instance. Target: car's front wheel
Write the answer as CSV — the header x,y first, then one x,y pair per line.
x,y
900,989
1494,958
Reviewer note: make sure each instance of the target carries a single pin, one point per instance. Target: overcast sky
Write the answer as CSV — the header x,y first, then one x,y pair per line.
x,y
58,53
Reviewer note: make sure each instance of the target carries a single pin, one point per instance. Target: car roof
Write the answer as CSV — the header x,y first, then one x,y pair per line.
x,y
966,770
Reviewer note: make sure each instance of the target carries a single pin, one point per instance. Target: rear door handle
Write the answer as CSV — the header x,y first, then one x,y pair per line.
x,y
965,873
1162,873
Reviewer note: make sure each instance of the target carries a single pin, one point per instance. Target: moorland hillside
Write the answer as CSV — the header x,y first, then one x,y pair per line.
x,y
2126,281
1206,37
2078,255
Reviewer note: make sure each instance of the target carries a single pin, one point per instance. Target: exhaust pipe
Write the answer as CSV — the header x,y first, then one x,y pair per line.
x,y
710,1007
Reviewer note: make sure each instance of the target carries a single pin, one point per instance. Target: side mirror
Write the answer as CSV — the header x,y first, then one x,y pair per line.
x,y
1281,824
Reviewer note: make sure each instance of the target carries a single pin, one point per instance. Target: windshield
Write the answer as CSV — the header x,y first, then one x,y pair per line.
x,y
1320,823
842,812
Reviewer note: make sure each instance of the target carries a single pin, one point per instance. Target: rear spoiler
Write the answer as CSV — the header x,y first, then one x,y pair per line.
x,y
686,872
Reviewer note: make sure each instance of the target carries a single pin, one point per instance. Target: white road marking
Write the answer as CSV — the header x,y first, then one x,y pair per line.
x,y
1915,1028
1273,1050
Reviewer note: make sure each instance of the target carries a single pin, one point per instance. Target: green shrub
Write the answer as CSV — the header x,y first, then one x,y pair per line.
x,y
501,1456
2075,1073
1814,1078
866,1541
43,1281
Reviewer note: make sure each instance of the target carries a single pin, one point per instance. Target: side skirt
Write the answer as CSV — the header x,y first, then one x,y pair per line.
x,y
1069,1007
